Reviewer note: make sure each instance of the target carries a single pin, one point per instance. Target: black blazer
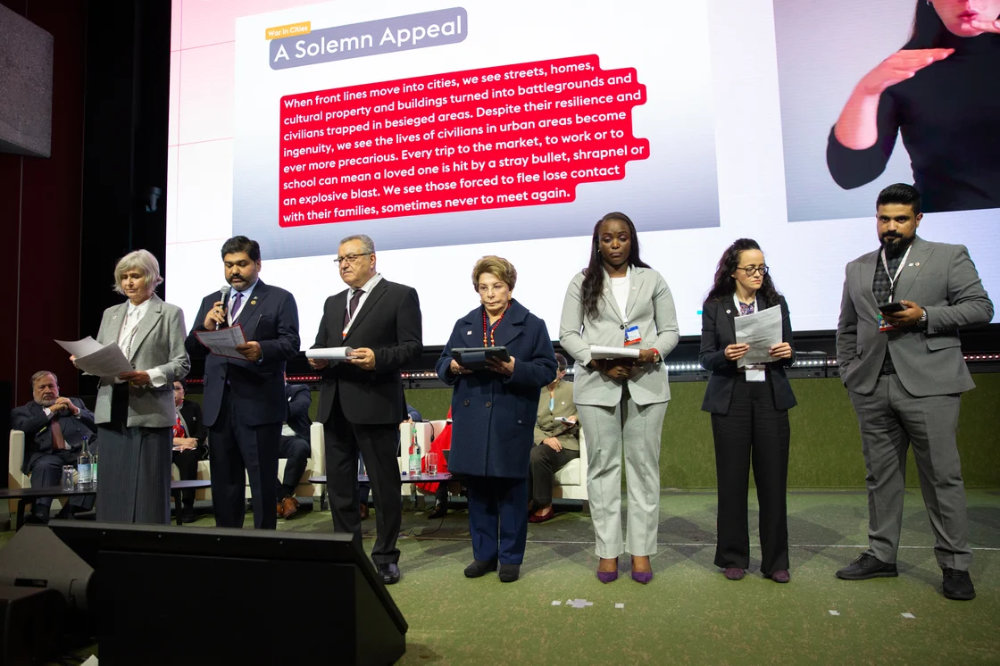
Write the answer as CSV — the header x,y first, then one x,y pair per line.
x,y
719,330
191,413
31,419
389,323
270,318
299,399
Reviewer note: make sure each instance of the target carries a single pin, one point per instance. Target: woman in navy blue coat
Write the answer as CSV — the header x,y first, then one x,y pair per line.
x,y
493,416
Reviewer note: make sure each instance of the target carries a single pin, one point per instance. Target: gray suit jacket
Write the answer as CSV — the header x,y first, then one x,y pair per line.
x,y
158,343
649,306
942,279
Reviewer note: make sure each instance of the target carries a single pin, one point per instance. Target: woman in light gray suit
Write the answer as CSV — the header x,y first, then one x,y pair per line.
x,y
618,301
135,411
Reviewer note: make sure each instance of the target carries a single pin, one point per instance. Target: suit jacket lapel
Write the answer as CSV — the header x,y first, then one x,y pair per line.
x,y
146,324
511,326
636,284
920,253
371,301
247,316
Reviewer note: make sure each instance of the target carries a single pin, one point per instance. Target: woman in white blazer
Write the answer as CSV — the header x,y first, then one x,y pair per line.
x,y
619,301
135,411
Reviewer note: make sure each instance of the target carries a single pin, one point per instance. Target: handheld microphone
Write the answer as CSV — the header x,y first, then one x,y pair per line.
x,y
224,293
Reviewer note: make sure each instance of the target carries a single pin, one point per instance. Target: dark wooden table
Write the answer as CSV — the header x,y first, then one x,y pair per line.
x,y
26,496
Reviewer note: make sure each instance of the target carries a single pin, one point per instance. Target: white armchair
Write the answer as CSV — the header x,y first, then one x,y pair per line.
x,y
315,466
571,480
15,458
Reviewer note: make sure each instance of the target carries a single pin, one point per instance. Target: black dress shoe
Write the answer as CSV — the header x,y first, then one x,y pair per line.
x,y
389,572
867,566
957,585
187,515
480,568
509,572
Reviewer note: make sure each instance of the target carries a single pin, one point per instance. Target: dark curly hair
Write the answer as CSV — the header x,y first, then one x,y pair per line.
x,y
593,274
725,284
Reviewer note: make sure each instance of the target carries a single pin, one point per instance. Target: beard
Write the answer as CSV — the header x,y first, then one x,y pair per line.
x,y
47,402
895,245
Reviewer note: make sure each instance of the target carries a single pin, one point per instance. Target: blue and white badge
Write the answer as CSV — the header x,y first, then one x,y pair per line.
x,y
632,336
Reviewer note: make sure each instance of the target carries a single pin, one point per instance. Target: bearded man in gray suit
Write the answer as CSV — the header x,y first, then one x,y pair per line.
x,y
901,360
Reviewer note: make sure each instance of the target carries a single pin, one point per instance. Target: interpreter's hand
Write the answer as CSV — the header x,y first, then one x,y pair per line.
x,y
552,443
780,350
735,352
63,404
250,350
318,363
907,317
900,66
72,359
136,378
215,317
987,26
505,368
184,443
362,357
457,368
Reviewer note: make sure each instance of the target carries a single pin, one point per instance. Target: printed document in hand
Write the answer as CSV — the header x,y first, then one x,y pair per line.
x,y
330,353
223,341
761,330
599,352
96,359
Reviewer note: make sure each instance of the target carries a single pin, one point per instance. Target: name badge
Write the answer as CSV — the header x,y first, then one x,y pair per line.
x,y
883,325
632,336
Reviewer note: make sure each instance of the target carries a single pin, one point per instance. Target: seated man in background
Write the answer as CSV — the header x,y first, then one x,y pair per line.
x,y
54,429
189,446
294,446
557,441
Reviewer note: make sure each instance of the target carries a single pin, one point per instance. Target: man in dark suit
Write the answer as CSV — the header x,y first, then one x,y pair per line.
x,y
905,373
361,399
294,447
54,429
189,446
244,402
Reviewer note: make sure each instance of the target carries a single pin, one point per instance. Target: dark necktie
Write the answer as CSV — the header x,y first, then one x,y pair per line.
x,y
352,308
58,441
235,311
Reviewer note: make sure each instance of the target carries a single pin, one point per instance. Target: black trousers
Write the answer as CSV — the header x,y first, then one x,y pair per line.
x,y
378,444
296,451
237,449
545,462
753,433
187,466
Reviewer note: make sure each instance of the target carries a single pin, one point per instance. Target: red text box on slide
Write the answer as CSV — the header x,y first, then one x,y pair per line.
x,y
515,135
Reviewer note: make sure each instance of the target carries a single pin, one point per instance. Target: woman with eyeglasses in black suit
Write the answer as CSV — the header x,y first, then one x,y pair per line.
x,y
749,407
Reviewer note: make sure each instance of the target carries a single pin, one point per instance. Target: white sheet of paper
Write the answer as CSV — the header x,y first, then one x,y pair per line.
x,y
96,359
330,353
761,330
599,352
223,341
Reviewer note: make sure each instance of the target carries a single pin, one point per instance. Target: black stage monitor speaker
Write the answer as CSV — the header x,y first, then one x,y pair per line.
x,y
35,557
32,620
182,595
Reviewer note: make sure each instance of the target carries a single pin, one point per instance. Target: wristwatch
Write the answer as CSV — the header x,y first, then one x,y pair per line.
x,y
922,322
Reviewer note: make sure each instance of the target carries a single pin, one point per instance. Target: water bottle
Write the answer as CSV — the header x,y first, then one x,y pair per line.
x,y
414,452
84,468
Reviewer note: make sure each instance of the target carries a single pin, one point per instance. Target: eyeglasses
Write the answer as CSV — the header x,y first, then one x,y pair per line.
x,y
350,258
752,270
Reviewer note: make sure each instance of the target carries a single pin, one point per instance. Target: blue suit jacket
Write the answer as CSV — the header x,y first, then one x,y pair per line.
x,y
270,318
493,417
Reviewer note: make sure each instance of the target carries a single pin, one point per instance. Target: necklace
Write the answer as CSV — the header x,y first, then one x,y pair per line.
x,y
489,330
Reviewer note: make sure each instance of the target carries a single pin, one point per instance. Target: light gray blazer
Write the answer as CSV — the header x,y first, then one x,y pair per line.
x,y
940,278
650,307
158,343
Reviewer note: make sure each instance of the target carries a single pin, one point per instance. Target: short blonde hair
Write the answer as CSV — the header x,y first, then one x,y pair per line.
x,y
145,262
498,266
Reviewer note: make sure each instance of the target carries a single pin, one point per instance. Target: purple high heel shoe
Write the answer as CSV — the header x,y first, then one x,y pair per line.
x,y
608,576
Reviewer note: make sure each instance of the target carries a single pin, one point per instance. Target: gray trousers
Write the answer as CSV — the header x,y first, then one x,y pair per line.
x,y
891,419
634,429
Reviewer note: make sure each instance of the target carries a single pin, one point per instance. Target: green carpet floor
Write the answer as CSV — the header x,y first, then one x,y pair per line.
x,y
558,613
